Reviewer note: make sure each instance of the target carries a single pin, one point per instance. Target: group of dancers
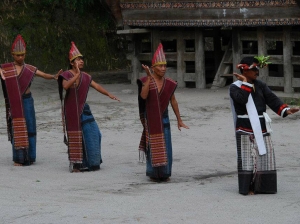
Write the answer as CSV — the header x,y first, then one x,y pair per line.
x,y
249,99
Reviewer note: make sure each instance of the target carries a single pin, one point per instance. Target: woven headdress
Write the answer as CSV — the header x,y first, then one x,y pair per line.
x,y
159,57
74,52
18,46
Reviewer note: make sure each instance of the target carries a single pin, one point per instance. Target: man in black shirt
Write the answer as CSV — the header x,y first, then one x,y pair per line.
x,y
256,159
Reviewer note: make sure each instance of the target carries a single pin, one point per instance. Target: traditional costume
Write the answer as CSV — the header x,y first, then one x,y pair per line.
x,y
82,134
156,137
255,151
20,112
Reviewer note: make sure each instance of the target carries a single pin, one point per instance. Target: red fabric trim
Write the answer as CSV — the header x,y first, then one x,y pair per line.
x,y
281,108
248,129
247,88
20,134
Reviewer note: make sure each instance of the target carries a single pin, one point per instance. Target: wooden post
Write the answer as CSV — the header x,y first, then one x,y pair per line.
x,y
135,62
237,49
287,59
262,50
180,59
199,59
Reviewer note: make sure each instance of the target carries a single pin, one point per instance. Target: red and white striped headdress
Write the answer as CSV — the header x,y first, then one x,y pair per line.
x,y
74,52
159,57
18,46
247,67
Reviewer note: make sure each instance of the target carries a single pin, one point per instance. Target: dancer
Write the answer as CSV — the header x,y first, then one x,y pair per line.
x,y
255,151
82,134
155,93
16,78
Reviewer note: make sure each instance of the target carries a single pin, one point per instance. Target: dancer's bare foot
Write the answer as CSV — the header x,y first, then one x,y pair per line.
x,y
251,193
154,179
18,164
75,170
74,167
166,180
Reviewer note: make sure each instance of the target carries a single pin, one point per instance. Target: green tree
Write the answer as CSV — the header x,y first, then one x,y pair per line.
x,y
49,26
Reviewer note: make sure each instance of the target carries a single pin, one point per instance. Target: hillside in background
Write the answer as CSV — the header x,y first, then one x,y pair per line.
x,y
49,26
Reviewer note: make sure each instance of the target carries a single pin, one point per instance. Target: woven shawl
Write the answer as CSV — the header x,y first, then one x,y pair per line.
x,y
154,106
14,86
72,108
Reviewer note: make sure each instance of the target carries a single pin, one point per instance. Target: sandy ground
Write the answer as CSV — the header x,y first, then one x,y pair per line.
x,y
203,186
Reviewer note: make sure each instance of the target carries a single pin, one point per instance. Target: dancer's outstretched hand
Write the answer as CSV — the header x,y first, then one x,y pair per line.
x,y
292,110
113,97
58,73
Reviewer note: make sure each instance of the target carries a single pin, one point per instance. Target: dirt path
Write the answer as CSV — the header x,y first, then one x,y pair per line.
x,y
203,187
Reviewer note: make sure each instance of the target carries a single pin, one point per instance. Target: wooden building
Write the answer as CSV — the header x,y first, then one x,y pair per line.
x,y
204,40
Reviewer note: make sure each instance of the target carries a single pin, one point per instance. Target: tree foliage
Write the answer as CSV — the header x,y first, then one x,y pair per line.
x,y
49,26
75,5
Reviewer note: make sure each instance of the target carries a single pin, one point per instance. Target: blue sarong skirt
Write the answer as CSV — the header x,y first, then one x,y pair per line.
x,y
91,140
